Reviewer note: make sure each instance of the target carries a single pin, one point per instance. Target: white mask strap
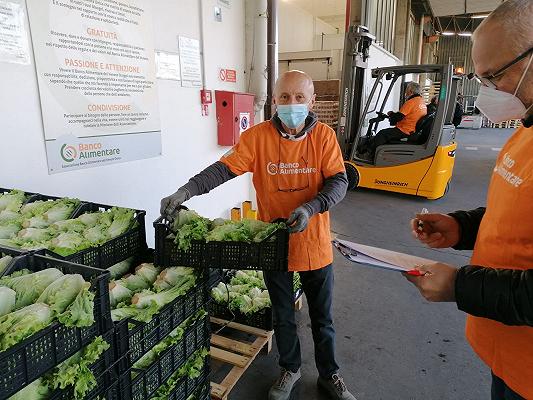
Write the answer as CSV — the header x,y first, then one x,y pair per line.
x,y
523,75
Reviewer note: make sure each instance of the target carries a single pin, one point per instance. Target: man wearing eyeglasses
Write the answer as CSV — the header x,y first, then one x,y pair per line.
x,y
298,173
497,288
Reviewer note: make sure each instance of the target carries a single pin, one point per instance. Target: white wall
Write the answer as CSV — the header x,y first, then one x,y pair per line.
x,y
298,28
189,140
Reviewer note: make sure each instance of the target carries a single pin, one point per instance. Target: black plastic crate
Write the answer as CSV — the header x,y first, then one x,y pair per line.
x,y
113,251
141,384
187,387
262,319
272,254
106,375
134,339
27,360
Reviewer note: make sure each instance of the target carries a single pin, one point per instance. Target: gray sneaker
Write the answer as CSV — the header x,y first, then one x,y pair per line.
x,y
335,387
281,389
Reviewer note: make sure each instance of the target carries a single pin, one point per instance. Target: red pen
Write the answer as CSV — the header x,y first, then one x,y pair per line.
x,y
415,272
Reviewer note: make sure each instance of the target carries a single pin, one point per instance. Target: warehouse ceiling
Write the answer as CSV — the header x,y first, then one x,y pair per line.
x,y
459,7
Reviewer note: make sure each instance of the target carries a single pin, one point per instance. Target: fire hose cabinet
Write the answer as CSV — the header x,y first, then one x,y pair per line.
x,y
235,114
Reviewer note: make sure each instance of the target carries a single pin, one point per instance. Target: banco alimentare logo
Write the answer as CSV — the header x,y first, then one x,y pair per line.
x,y
68,153
272,168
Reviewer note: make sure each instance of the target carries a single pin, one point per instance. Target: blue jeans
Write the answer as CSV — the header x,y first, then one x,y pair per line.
x,y
318,288
500,390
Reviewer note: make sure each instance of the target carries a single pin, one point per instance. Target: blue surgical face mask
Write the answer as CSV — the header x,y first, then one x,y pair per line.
x,y
293,115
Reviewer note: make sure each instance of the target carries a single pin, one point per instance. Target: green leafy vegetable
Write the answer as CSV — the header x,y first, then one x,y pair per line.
x,y
37,390
80,312
118,293
9,230
12,200
76,370
4,262
8,216
7,300
68,243
134,282
18,325
121,268
148,272
62,292
29,287
61,210
35,222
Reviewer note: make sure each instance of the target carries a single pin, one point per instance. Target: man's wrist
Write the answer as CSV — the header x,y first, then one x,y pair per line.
x,y
313,207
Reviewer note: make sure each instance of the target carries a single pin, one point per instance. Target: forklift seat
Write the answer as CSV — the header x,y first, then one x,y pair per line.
x,y
421,133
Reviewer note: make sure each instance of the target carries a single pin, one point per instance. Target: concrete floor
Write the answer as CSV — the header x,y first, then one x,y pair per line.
x,y
392,344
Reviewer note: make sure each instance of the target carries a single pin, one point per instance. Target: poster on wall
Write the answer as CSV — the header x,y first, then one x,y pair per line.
x,y
191,67
96,73
168,65
13,36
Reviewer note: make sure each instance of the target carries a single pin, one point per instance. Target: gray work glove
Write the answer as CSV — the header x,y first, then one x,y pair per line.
x,y
170,205
299,219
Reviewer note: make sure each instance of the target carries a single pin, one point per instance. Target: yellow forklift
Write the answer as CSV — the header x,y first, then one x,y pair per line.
x,y
420,165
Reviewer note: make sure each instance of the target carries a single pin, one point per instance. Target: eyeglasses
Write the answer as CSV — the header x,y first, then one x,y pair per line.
x,y
305,172
488,80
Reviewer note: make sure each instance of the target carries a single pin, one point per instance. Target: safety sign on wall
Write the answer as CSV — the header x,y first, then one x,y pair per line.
x,y
190,63
227,75
96,74
244,122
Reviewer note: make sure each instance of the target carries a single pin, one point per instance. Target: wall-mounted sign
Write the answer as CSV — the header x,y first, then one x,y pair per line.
x,y
227,75
225,3
96,74
244,121
13,37
191,67
167,65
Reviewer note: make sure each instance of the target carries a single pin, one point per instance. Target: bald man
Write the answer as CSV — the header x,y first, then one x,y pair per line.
x,y
496,290
298,173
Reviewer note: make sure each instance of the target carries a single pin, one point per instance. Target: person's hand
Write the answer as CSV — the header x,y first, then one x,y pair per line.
x,y
438,230
170,205
437,283
299,219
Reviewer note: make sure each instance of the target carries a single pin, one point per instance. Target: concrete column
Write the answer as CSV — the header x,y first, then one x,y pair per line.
x,y
401,29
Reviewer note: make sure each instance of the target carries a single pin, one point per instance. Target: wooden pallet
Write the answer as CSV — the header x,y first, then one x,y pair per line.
x,y
237,353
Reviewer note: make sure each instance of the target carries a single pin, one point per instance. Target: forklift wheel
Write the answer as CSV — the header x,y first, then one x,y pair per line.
x,y
353,176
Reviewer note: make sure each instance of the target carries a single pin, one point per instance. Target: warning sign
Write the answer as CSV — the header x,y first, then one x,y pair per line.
x,y
244,122
228,75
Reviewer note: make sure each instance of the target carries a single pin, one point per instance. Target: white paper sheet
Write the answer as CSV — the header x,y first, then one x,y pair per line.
x,y
376,257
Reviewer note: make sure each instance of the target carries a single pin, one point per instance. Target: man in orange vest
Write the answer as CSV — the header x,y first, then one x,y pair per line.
x,y
404,121
298,173
497,289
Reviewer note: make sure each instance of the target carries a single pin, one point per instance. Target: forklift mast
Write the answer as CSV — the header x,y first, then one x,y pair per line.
x,y
355,61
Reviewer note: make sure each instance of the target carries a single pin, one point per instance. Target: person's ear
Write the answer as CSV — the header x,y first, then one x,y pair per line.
x,y
312,102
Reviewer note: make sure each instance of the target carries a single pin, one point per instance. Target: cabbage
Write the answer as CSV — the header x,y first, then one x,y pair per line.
x,y
96,234
259,303
89,219
146,297
4,262
220,293
37,390
29,287
9,230
171,277
20,324
189,226
80,313
62,210
135,283
242,303
12,201
68,243
35,222
148,272
68,225
184,217
37,208
123,219
118,293
254,292
34,235
8,216
60,293
138,314
120,268
13,243
7,300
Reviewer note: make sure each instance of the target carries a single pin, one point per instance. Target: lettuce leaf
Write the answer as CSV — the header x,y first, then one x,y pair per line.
x,y
80,312
20,324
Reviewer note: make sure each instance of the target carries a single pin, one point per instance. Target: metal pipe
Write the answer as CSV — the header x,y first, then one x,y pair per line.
x,y
272,54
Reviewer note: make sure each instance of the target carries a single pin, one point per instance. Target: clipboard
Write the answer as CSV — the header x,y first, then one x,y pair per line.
x,y
379,258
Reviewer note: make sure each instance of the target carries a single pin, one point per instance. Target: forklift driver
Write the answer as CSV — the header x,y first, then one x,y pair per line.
x,y
404,121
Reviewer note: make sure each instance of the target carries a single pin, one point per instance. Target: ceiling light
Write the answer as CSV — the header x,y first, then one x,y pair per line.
x,y
465,33
480,16
448,33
